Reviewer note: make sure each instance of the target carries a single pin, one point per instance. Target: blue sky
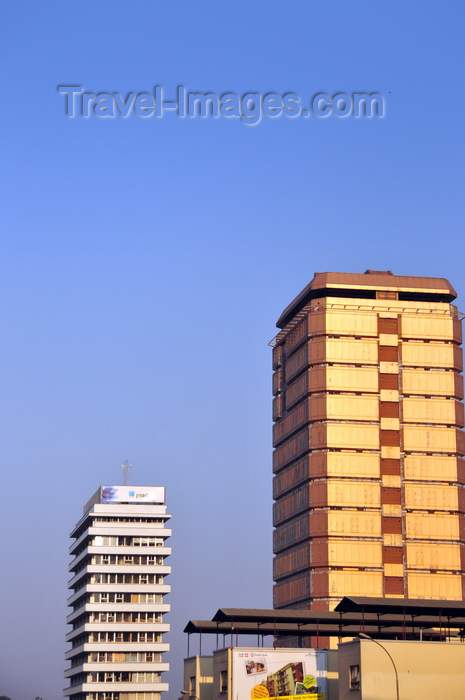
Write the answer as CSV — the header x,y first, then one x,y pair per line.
x,y
144,263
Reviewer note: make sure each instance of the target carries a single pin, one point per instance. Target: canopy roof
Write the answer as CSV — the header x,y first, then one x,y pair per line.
x,y
409,606
379,617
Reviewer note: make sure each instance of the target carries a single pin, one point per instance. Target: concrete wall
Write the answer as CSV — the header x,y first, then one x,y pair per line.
x,y
222,663
425,670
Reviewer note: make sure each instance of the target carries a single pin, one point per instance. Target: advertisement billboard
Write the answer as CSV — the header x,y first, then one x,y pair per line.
x,y
287,674
132,494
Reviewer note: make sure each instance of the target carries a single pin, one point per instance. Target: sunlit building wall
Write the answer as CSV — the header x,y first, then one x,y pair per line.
x,y
368,461
118,600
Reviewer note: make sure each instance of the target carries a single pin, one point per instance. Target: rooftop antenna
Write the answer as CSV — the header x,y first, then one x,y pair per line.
x,y
126,467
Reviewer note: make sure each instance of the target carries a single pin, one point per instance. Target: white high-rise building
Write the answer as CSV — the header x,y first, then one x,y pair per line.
x,y
118,595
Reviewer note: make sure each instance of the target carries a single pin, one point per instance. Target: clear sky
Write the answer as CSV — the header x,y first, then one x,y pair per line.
x,y
144,262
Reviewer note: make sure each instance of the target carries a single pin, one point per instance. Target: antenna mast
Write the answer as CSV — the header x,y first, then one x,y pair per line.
x,y
126,467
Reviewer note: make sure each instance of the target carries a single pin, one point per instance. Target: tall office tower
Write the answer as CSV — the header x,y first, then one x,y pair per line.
x,y
369,468
118,596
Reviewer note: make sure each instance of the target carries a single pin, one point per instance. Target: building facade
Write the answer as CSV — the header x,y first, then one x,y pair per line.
x,y
198,677
118,600
258,672
368,461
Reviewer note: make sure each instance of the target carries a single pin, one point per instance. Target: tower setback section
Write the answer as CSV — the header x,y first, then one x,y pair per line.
x,y
118,596
368,461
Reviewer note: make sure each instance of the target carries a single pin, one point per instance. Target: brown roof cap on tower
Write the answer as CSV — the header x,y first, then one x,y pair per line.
x,y
370,280
381,280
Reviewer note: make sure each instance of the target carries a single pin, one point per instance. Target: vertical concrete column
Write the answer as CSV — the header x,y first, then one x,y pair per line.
x,y
390,444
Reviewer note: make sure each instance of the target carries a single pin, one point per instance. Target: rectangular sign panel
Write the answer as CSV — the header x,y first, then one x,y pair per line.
x,y
132,494
287,674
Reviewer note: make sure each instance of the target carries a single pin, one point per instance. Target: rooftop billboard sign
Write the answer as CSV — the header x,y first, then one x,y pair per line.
x,y
279,674
132,494
126,494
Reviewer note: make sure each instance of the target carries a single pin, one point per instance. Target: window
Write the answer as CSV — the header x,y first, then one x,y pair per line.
x,y
354,677
137,696
140,541
223,682
100,541
192,685
147,598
